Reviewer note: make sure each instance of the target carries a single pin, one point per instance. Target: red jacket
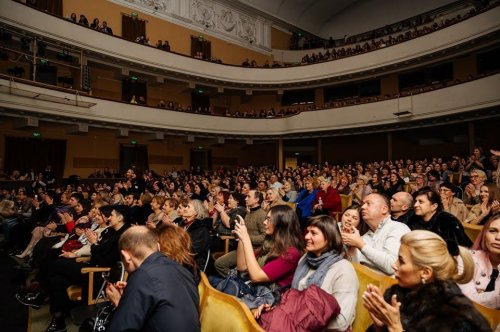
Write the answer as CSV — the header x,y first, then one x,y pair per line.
x,y
301,311
331,199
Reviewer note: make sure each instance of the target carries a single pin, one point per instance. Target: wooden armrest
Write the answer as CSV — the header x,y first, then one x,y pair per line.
x,y
226,239
82,259
86,270
90,271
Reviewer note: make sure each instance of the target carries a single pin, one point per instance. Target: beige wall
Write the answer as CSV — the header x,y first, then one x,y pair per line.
x,y
101,148
280,40
178,36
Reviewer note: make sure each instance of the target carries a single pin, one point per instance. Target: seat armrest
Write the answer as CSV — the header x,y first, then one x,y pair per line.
x,y
86,270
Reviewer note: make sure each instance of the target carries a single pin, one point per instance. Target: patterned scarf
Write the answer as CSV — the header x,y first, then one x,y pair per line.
x,y
320,264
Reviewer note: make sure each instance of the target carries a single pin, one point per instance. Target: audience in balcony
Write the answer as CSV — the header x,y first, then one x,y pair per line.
x,y
72,18
414,27
95,24
105,28
83,20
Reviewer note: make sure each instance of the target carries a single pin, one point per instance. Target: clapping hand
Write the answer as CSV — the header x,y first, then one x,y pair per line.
x,y
381,312
352,238
91,236
495,206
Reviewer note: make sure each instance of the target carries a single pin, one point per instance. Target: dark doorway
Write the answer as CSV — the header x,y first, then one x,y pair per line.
x,y
200,101
24,153
201,158
133,87
200,45
133,155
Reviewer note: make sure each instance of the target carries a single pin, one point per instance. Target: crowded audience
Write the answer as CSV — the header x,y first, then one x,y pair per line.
x,y
46,227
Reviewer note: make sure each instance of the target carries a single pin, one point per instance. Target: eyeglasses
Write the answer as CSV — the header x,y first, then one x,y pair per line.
x,y
474,176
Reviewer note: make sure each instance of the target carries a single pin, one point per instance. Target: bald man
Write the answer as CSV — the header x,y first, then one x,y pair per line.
x,y
401,207
378,248
160,295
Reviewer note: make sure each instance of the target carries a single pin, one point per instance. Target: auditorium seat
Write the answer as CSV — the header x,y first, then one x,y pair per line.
x,y
222,312
367,276
491,315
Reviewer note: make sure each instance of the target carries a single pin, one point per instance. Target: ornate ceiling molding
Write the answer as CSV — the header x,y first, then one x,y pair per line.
x,y
209,17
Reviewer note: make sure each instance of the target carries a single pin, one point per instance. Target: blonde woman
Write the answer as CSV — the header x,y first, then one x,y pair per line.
x,y
155,219
273,198
426,297
490,203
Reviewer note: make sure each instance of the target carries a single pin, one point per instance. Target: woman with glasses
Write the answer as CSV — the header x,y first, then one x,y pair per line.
x,y
477,179
276,260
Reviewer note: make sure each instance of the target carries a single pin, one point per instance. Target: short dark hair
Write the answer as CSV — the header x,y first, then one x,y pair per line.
x,y
240,198
330,230
258,195
431,195
77,196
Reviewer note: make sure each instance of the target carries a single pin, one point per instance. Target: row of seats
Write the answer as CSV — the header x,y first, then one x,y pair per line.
x,y
239,318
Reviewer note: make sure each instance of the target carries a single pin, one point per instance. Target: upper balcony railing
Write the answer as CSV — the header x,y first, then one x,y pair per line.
x,y
38,101
57,29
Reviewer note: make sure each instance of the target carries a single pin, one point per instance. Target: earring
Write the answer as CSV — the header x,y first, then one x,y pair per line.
x,y
423,281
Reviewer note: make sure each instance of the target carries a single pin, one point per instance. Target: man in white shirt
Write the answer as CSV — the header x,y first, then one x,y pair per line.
x,y
275,182
379,247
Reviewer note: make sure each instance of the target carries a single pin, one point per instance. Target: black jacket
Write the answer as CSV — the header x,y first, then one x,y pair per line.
x,y
437,306
160,295
106,252
445,225
200,239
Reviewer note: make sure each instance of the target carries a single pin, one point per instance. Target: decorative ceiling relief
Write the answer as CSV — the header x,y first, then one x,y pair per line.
x,y
210,17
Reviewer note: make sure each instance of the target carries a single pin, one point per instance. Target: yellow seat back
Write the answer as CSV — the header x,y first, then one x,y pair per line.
x,y
346,201
367,276
491,315
222,312
472,231
292,205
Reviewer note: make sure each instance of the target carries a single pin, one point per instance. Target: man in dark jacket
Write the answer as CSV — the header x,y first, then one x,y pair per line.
x,y
160,294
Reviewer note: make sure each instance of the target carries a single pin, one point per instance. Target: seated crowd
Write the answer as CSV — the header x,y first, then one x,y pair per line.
x,y
290,241
387,36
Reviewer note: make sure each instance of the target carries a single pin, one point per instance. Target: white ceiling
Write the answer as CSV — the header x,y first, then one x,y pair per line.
x,y
338,17
309,15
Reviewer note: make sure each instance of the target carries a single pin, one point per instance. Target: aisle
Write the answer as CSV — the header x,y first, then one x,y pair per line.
x,y
13,315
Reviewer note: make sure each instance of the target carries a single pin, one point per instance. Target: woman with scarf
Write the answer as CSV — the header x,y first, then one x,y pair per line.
x,y
325,267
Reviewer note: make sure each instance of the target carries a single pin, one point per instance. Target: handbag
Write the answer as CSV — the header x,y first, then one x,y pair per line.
x,y
71,245
97,316
234,284
252,295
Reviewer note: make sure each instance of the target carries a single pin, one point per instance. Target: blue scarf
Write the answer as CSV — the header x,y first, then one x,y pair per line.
x,y
320,264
